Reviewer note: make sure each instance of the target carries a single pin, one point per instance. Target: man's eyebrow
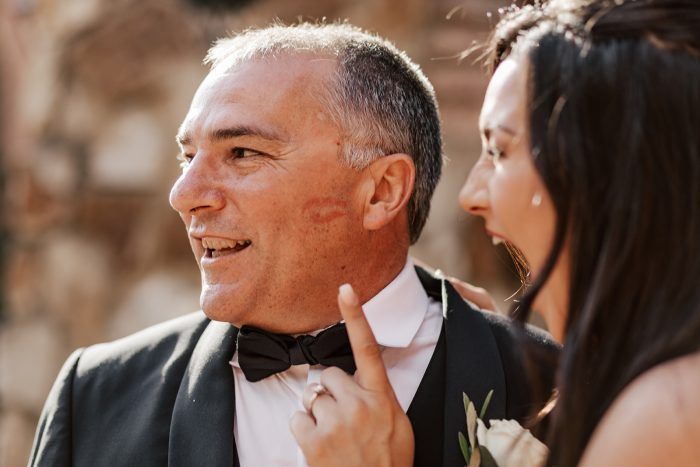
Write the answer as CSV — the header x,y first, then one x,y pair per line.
x,y
222,134
245,130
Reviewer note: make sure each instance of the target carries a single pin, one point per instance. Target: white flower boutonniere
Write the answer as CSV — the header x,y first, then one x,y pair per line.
x,y
504,444
510,444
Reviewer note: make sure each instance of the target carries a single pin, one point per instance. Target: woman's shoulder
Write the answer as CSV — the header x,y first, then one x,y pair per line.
x,y
654,421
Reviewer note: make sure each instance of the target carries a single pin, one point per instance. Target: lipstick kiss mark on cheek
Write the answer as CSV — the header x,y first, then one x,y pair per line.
x,y
324,210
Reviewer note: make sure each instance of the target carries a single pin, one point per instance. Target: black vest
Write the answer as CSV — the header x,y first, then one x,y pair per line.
x,y
426,411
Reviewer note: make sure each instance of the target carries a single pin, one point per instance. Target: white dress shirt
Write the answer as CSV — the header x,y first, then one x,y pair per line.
x,y
406,323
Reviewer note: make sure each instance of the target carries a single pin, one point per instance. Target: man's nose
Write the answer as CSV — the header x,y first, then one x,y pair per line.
x,y
196,189
474,195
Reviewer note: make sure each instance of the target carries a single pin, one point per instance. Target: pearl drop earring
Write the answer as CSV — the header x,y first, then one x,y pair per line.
x,y
536,200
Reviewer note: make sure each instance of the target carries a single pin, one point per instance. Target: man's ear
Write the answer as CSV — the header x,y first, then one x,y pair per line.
x,y
390,187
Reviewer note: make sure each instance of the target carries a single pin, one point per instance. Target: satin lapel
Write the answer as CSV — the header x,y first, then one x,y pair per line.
x,y
201,430
473,364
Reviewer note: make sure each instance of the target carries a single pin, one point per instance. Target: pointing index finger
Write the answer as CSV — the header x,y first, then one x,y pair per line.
x,y
371,373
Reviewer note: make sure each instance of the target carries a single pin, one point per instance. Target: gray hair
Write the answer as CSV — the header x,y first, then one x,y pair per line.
x,y
378,97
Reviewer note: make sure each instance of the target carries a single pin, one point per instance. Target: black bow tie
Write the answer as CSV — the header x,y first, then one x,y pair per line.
x,y
262,353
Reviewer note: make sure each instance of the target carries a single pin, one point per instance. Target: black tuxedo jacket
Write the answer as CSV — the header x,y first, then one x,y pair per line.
x,y
165,396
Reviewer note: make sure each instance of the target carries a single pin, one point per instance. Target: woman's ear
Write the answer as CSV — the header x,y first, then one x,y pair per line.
x,y
391,180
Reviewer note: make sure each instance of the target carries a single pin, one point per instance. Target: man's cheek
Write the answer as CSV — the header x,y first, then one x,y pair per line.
x,y
324,210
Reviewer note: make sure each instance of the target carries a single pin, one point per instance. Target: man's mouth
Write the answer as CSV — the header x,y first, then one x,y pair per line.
x,y
217,247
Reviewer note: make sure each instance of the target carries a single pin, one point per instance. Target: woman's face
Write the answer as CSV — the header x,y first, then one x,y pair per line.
x,y
505,189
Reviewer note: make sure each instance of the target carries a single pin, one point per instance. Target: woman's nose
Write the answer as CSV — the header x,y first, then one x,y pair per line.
x,y
474,195
196,189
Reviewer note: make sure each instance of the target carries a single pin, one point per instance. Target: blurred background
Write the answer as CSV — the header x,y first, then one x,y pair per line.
x,y
91,95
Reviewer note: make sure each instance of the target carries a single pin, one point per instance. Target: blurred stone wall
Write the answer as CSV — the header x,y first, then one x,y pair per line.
x,y
92,93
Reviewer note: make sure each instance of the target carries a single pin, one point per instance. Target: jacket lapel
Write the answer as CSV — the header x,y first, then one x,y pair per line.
x,y
473,364
201,430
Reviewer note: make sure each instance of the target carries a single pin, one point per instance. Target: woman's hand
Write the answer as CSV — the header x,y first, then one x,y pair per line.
x,y
358,421
478,296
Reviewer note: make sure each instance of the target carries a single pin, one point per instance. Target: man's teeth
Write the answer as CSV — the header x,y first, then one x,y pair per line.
x,y
496,240
223,244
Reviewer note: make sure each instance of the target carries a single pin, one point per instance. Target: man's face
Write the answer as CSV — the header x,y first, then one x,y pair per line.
x,y
273,216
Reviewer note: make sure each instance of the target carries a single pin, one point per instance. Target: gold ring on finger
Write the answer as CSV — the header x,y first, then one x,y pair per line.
x,y
316,391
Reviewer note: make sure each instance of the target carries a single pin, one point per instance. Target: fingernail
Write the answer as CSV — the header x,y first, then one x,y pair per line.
x,y
347,294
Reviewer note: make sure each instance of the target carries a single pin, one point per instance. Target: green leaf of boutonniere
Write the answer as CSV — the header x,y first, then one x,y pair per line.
x,y
469,444
485,407
471,425
463,446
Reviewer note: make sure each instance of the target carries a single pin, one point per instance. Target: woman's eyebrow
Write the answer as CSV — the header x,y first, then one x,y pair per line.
x,y
487,131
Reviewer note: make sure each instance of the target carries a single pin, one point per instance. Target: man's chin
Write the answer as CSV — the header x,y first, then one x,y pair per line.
x,y
221,316
218,308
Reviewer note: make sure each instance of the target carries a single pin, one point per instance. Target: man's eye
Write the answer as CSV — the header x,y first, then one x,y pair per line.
x,y
184,159
241,153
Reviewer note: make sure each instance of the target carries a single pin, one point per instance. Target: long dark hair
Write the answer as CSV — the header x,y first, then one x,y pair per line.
x,y
614,105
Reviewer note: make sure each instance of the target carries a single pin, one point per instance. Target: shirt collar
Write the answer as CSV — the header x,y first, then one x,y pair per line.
x,y
397,311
